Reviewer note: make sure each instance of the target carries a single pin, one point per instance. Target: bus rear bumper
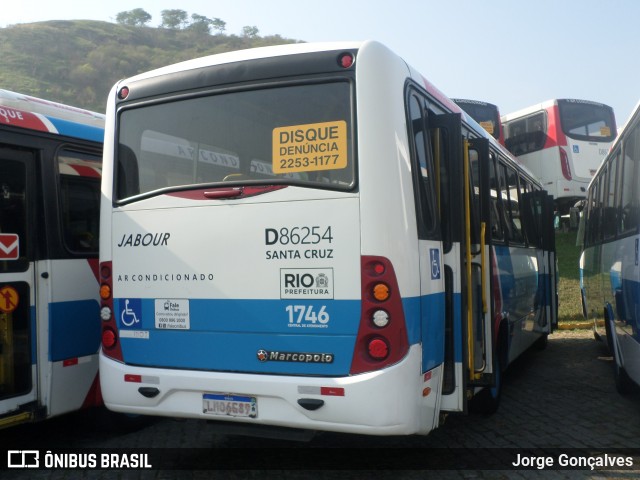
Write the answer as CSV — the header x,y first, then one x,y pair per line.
x,y
398,400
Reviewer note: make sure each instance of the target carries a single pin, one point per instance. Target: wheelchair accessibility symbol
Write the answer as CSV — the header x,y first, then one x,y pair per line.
x,y
131,315
434,255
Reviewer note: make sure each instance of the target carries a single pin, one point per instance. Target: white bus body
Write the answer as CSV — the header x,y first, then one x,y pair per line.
x,y
609,272
273,252
50,158
562,142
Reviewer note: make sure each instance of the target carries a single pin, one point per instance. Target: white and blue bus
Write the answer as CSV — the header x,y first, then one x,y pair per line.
x,y
50,159
313,236
609,272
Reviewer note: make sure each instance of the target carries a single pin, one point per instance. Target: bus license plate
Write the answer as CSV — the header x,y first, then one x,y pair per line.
x,y
229,405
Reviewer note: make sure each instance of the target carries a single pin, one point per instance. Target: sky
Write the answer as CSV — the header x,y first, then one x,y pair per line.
x,y
513,53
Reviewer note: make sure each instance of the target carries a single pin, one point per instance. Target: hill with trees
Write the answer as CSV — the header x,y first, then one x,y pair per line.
x,y
77,61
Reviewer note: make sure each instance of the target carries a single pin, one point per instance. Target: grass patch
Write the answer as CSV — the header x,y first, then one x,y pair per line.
x,y
568,255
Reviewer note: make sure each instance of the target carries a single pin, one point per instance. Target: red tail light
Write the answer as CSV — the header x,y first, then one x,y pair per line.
x,y
564,162
110,342
382,336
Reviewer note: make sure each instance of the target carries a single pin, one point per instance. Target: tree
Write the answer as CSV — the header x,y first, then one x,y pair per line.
x,y
135,18
250,32
201,24
219,25
173,19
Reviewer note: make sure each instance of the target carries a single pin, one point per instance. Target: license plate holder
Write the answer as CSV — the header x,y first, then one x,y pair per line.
x,y
229,405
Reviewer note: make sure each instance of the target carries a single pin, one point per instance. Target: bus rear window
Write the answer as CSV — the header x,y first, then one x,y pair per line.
x,y
582,120
298,134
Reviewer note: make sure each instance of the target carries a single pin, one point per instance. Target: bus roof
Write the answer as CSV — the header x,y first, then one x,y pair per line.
x,y
302,48
544,105
248,54
24,111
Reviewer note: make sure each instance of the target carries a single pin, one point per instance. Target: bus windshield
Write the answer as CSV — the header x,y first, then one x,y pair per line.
x,y
588,121
298,134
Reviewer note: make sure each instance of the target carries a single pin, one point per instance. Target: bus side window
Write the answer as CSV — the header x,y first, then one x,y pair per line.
x,y
628,202
527,135
600,211
79,176
610,210
496,206
422,168
503,198
513,207
592,224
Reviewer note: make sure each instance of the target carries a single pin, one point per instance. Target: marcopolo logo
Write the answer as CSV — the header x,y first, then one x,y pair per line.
x,y
308,283
295,357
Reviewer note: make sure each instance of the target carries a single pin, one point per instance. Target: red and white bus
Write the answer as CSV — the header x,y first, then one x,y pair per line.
x,y
50,160
562,142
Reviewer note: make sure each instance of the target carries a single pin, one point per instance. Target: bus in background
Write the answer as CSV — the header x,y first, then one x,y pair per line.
x,y
486,114
302,236
609,272
50,159
562,142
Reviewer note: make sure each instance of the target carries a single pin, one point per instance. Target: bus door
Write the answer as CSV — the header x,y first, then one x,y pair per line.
x,y
478,263
549,245
68,285
544,204
18,365
468,331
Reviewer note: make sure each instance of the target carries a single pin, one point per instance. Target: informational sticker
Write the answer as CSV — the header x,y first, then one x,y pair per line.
x,y
131,314
488,126
309,148
307,283
9,299
605,131
9,246
434,255
172,314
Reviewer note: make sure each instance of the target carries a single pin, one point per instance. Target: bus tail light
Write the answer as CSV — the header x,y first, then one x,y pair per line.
x,y
110,344
382,337
564,163
108,338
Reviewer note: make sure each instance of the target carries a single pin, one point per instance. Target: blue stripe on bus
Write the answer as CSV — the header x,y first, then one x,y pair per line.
x,y
74,329
227,334
425,314
79,130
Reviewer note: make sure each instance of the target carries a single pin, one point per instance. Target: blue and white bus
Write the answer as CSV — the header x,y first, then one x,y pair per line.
x,y
50,159
609,272
313,236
